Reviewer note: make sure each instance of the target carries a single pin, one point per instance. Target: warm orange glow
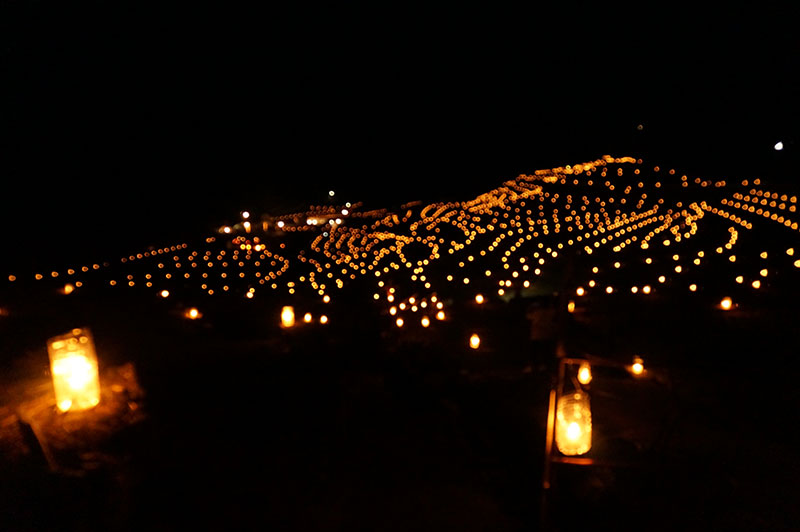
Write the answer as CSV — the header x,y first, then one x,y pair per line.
x,y
73,364
580,291
425,321
474,341
440,315
571,307
68,289
164,293
323,319
573,424
307,317
399,322
585,373
479,299
287,317
637,368
726,303
193,314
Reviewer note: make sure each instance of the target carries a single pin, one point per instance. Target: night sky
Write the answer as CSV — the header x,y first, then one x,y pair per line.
x,y
131,124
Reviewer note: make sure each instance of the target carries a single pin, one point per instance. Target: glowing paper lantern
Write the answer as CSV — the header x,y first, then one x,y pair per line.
x,y
287,317
73,364
574,424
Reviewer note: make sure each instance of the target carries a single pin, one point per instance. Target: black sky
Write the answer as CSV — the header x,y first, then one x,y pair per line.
x,y
160,118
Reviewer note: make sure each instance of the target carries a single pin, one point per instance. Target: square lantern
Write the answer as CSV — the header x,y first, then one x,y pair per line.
x,y
73,364
573,424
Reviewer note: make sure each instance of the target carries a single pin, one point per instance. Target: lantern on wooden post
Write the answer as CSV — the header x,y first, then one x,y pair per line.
x,y
73,364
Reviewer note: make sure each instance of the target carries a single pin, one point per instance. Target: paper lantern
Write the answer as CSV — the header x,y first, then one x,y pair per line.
x,y
574,424
73,364
287,317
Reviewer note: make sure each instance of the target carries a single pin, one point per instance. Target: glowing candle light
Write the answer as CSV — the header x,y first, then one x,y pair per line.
x,y
425,321
73,364
323,319
474,341
726,303
574,424
287,317
585,373
637,368
479,299
307,317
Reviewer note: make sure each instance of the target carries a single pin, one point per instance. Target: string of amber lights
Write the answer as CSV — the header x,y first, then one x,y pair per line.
x,y
628,228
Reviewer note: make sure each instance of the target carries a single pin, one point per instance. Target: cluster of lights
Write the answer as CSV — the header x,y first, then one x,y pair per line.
x,y
613,213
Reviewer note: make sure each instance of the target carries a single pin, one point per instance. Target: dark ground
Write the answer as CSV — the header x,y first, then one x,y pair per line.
x,y
346,428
